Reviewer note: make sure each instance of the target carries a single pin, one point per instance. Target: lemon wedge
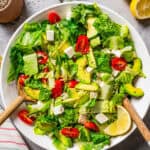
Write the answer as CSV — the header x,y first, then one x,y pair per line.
x,y
140,8
121,125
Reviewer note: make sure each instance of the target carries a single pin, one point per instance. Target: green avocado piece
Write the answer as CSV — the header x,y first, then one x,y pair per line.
x,y
133,91
33,93
137,66
65,140
91,59
87,87
95,42
106,91
124,31
30,64
116,42
91,31
82,74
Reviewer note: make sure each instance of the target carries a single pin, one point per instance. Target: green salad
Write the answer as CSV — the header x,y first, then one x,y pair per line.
x,y
78,69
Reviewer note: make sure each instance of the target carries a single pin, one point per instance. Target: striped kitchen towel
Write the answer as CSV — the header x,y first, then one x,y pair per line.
x,y
10,139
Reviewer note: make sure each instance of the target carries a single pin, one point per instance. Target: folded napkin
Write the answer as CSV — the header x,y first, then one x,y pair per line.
x,y
10,139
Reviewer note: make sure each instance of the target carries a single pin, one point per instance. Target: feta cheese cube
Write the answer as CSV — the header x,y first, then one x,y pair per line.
x,y
69,51
58,110
117,53
50,35
115,72
89,69
101,118
93,95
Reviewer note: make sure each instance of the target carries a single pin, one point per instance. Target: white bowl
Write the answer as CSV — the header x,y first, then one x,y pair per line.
x,y
9,92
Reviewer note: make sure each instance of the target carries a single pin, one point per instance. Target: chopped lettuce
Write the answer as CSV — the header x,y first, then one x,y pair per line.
x,y
44,94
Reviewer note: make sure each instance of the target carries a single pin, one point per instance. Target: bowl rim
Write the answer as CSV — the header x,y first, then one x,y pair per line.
x,y
45,10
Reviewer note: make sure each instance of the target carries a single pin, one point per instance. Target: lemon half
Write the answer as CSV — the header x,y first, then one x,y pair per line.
x,y
121,125
140,8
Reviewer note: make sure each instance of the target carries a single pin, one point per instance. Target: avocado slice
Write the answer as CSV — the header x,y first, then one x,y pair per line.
x,y
91,31
95,41
65,140
82,74
30,64
87,87
33,93
116,42
133,91
137,65
91,59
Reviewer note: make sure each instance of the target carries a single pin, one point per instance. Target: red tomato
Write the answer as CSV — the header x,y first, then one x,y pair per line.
x,y
72,83
46,69
44,80
23,115
53,17
82,44
58,89
91,125
70,132
42,57
118,63
22,79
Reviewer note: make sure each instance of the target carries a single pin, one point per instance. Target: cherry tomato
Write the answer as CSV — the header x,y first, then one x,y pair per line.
x,y
42,57
82,44
118,63
23,115
46,69
70,132
22,79
44,80
58,89
72,83
91,126
53,17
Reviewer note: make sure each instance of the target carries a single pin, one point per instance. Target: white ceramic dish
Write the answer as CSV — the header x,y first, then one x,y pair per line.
x,y
9,92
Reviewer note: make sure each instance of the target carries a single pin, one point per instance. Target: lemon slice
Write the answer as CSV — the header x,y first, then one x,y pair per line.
x,y
121,125
140,8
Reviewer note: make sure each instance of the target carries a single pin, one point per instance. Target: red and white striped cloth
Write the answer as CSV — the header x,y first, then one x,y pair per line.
x,y
10,139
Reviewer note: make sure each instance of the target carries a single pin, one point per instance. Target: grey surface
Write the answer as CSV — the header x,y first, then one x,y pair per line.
x,y
133,142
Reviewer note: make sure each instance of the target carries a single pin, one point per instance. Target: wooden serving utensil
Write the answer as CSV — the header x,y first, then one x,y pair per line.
x,y
145,132
15,104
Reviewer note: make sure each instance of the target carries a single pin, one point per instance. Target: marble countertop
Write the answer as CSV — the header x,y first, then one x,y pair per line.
x,y
134,141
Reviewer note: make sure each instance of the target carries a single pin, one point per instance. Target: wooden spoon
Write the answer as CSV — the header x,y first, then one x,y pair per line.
x,y
15,104
145,132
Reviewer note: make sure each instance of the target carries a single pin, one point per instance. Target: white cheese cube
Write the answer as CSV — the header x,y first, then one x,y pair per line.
x,y
50,35
115,72
58,110
117,53
69,51
101,118
93,95
89,69
39,105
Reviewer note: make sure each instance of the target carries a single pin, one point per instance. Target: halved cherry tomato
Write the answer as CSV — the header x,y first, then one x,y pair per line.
x,y
46,69
44,80
58,89
22,79
72,83
91,126
70,132
42,57
118,63
23,115
53,17
82,44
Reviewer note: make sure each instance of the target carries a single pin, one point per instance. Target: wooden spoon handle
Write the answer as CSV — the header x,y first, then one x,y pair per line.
x,y
138,121
11,108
